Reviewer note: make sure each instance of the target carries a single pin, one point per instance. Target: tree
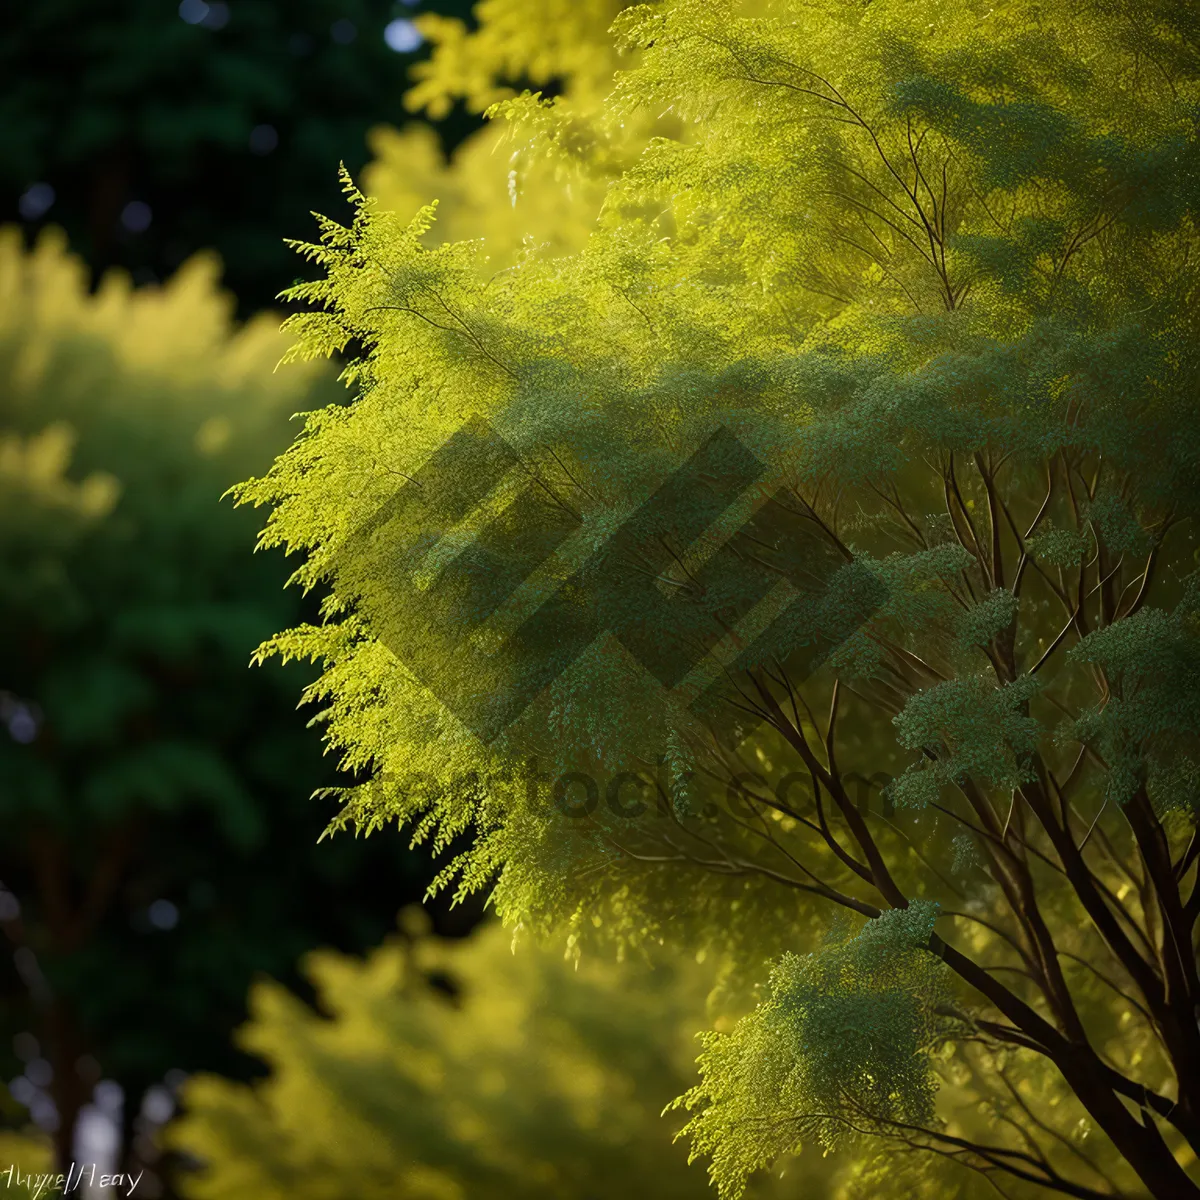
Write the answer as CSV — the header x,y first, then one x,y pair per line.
x,y
158,845
933,274
220,124
490,189
456,1069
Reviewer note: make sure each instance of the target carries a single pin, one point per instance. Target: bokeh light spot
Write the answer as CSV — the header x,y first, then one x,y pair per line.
x,y
136,216
263,139
163,914
37,198
402,36
193,11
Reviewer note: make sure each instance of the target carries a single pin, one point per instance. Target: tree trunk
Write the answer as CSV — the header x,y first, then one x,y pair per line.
x,y
68,1089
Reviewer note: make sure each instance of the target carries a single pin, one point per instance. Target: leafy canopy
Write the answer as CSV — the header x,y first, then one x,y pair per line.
x,y
935,266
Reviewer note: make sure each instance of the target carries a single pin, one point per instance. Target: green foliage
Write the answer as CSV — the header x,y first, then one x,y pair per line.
x,y
44,511
529,1079
1059,547
986,731
546,42
1153,662
87,387
510,187
843,1034
138,760
936,267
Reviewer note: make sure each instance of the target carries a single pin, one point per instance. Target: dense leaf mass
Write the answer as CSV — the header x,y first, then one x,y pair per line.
x,y
935,267
842,1036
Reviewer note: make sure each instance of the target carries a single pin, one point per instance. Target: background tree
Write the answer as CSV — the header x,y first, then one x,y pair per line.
x,y
152,130
459,1069
937,270
159,844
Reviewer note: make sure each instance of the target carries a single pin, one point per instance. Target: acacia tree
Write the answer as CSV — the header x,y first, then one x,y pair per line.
x,y
934,271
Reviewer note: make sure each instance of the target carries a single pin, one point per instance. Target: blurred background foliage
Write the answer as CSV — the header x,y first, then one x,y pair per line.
x,y
150,130
490,187
159,842
442,1071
